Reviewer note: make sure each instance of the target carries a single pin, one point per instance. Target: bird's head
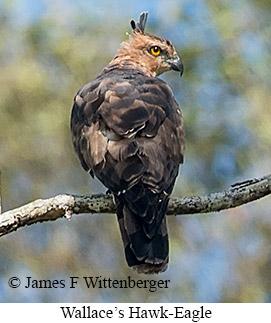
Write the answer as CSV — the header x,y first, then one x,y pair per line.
x,y
153,54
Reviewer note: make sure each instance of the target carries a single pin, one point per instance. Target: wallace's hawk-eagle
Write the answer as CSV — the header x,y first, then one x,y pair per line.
x,y
127,130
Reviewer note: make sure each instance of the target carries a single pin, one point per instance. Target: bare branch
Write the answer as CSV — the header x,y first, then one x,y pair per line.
x,y
66,205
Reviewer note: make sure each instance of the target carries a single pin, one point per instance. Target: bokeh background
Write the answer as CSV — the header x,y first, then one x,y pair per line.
x,y
48,50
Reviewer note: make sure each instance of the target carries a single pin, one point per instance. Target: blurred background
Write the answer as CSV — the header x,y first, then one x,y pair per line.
x,y
48,50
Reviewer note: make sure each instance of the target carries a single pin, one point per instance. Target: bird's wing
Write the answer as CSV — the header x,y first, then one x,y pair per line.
x,y
126,130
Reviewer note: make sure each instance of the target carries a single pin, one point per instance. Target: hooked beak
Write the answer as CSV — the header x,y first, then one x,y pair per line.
x,y
176,64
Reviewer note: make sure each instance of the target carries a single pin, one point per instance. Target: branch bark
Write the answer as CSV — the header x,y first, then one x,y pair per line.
x,y
65,205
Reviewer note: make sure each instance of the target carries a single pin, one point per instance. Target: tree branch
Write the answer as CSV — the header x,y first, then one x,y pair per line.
x,y
66,205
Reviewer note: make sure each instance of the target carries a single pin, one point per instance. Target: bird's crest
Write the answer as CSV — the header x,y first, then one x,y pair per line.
x,y
139,27
148,53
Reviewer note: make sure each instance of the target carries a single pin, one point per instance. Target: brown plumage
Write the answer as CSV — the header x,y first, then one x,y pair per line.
x,y
127,130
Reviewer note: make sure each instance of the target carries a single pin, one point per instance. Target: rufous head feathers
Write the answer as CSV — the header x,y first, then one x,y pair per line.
x,y
153,55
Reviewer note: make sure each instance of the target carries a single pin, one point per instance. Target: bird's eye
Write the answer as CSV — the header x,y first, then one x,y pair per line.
x,y
155,50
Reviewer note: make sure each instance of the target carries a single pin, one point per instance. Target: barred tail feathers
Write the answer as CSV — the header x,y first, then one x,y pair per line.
x,y
144,235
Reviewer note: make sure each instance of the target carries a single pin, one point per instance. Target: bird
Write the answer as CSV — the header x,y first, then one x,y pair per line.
x,y
127,130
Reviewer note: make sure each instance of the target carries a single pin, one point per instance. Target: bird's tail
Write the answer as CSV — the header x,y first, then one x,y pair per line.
x,y
143,229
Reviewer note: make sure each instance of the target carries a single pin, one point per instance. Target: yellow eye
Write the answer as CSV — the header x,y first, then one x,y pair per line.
x,y
155,50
